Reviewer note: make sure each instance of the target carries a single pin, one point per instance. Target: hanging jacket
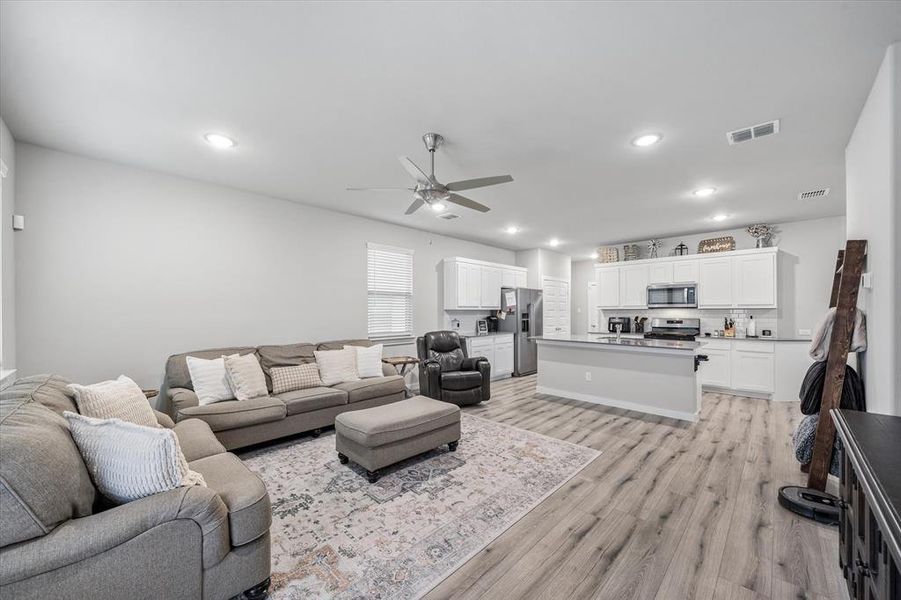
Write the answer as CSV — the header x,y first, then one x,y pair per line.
x,y
811,393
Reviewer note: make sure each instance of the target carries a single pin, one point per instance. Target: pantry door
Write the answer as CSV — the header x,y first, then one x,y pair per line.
x,y
556,306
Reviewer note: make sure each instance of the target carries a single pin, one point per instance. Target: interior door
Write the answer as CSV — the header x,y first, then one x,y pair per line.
x,y
556,306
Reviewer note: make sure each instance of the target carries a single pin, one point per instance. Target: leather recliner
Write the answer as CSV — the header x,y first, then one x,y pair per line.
x,y
446,373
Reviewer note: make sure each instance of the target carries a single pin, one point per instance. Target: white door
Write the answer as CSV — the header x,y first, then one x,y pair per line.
x,y
521,279
755,280
717,371
556,313
715,283
752,371
685,271
482,347
503,356
593,306
660,272
491,287
469,284
634,286
608,284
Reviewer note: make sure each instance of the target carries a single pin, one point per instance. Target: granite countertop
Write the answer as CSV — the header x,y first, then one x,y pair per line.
x,y
772,338
630,342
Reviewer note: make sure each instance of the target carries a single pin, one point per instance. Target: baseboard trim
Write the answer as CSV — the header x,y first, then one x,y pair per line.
x,y
733,392
661,412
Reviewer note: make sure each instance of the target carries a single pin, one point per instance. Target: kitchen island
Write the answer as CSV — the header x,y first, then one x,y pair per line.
x,y
652,376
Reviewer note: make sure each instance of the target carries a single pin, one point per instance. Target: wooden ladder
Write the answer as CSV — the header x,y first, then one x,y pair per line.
x,y
845,286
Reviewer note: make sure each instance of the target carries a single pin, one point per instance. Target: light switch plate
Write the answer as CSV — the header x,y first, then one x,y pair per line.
x,y
866,280
18,222
803,332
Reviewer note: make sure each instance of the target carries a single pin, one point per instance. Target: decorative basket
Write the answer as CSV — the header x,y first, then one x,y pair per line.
x,y
608,255
719,244
631,252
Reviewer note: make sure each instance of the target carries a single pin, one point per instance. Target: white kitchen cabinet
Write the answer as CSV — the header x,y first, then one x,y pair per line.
x,y
661,272
753,371
593,306
634,286
608,287
715,283
754,280
471,284
717,371
685,271
498,349
490,290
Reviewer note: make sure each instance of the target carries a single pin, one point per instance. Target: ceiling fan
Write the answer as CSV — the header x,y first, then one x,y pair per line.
x,y
430,191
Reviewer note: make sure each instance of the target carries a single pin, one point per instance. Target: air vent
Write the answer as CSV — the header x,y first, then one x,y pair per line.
x,y
810,194
746,134
448,216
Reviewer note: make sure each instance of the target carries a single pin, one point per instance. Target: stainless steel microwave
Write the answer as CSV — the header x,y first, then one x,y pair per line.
x,y
673,295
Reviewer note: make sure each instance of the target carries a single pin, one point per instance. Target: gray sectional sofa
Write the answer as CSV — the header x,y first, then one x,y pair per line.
x,y
59,539
243,423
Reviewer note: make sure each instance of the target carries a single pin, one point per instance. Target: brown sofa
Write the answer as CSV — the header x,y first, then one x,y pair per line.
x,y
243,423
59,538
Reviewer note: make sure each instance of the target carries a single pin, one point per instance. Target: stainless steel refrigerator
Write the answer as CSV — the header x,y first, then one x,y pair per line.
x,y
522,308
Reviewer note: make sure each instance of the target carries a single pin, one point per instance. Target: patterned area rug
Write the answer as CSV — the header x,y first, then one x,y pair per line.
x,y
334,535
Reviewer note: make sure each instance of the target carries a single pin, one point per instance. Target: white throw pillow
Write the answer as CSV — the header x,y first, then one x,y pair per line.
x,y
337,366
297,377
115,399
128,461
209,379
245,376
369,361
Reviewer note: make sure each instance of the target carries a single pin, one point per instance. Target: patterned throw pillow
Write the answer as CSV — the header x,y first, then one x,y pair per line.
x,y
369,361
116,399
297,377
128,461
245,376
337,366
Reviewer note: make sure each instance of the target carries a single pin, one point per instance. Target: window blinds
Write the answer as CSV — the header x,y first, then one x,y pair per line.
x,y
390,291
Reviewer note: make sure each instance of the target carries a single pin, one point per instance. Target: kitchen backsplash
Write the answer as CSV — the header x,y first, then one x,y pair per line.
x,y
711,319
467,319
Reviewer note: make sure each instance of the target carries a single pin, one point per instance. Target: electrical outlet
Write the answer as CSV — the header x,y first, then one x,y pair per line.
x,y
587,375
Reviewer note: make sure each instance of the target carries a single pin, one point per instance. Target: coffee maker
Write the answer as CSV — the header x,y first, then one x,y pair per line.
x,y
624,322
492,324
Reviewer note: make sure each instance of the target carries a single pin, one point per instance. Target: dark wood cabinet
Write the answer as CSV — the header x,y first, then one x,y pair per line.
x,y
869,524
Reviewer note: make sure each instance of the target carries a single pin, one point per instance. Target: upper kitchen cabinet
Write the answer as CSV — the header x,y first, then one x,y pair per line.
x,y
608,287
476,285
633,286
665,271
755,281
660,272
685,271
715,283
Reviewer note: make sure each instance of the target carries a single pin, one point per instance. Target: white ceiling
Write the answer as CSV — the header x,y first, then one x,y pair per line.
x,y
323,96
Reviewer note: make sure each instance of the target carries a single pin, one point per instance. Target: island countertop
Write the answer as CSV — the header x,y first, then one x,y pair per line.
x,y
631,343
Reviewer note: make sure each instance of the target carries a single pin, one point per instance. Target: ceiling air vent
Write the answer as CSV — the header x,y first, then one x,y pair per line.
x,y
746,134
810,194
448,216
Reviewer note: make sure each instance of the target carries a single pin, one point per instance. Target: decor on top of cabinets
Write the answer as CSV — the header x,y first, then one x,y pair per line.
x,y
609,254
724,243
653,247
762,233
681,249
631,252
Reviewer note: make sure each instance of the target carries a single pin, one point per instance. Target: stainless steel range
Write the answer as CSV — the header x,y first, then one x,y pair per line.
x,y
674,329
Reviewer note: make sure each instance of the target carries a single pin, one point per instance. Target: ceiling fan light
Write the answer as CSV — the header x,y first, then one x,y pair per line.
x,y
438,206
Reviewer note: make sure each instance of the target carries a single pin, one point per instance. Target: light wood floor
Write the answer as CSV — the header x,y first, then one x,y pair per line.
x,y
670,510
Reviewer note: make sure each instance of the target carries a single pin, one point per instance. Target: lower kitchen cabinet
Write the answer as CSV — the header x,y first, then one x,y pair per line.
x,y
717,371
498,349
753,366
758,367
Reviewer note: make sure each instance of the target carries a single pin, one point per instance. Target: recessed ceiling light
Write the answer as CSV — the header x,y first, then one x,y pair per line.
x,y
512,229
704,192
554,242
217,140
720,217
438,206
648,139
594,256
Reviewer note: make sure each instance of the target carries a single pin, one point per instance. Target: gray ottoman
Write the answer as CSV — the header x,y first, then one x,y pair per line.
x,y
377,437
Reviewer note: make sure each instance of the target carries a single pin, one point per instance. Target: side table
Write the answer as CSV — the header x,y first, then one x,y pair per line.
x,y
403,364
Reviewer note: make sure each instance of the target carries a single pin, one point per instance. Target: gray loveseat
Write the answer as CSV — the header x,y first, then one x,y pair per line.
x,y
243,423
59,538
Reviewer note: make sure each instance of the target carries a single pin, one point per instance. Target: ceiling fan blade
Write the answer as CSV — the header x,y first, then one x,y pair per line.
x,y
468,184
458,199
367,189
415,206
414,171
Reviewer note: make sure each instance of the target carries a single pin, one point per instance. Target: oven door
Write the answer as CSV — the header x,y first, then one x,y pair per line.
x,y
681,295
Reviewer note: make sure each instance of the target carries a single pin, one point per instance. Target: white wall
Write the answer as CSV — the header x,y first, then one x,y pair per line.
x,y
873,198
805,272
7,252
543,263
120,267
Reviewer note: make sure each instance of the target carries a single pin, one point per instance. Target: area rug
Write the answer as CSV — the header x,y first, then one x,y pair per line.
x,y
334,535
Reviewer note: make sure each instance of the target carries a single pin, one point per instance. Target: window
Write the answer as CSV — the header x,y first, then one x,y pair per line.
x,y
390,291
